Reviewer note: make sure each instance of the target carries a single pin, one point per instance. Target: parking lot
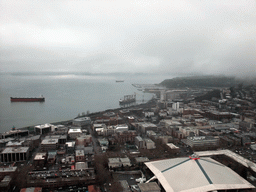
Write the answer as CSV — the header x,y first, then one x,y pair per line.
x,y
60,174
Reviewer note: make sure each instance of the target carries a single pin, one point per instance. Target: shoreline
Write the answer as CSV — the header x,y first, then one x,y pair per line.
x,y
99,113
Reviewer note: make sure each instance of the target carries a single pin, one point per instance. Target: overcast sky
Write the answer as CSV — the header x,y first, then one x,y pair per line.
x,y
151,36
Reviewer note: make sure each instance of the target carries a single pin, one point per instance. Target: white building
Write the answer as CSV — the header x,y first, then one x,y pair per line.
x,y
83,121
74,133
203,141
139,142
196,174
43,129
121,128
99,128
149,144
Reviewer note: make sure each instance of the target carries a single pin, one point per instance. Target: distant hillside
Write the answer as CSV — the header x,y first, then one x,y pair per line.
x,y
209,95
199,81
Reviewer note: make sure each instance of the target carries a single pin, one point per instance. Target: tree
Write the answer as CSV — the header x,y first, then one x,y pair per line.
x,y
101,163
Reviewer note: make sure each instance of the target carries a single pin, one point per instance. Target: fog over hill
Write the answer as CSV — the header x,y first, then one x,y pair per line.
x,y
206,81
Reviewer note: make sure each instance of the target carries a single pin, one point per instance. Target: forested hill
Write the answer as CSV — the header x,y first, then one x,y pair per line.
x,y
199,81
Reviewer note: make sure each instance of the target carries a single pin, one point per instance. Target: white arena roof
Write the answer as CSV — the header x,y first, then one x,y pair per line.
x,y
245,162
196,174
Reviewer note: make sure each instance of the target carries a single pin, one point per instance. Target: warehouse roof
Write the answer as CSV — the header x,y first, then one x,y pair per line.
x,y
196,174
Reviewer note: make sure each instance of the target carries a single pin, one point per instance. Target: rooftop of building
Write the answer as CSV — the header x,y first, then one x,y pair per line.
x,y
74,131
14,142
14,131
125,160
40,156
7,169
200,138
6,140
79,152
196,174
152,186
49,141
114,160
35,137
82,119
147,140
147,124
15,150
172,146
56,137
47,125
139,138
71,144
141,159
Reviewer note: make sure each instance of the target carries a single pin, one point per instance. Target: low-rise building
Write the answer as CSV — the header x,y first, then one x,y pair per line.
x,y
14,133
5,184
88,150
40,159
14,154
34,141
98,128
173,148
125,136
4,171
32,189
149,144
49,144
146,126
15,143
84,140
70,146
51,158
62,139
203,141
151,133
43,129
82,121
80,156
139,142
114,162
81,165
125,162
141,160
74,133
119,162
121,128
103,144
149,187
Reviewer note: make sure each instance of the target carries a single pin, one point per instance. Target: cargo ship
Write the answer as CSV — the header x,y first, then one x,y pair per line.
x,y
119,81
27,99
128,99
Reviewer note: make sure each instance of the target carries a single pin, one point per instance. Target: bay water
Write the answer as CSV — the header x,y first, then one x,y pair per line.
x,y
66,95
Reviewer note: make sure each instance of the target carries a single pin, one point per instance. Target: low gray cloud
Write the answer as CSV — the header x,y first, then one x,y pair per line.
x,y
174,37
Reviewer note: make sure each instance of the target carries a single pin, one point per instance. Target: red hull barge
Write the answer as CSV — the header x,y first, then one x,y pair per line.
x,y
28,99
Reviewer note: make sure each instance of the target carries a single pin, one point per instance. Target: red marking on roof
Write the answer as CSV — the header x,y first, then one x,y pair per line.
x,y
194,158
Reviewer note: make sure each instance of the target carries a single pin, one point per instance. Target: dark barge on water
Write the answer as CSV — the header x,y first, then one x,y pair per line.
x,y
27,99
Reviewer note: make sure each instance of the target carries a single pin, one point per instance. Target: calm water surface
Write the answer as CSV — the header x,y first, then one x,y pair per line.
x,y
65,97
